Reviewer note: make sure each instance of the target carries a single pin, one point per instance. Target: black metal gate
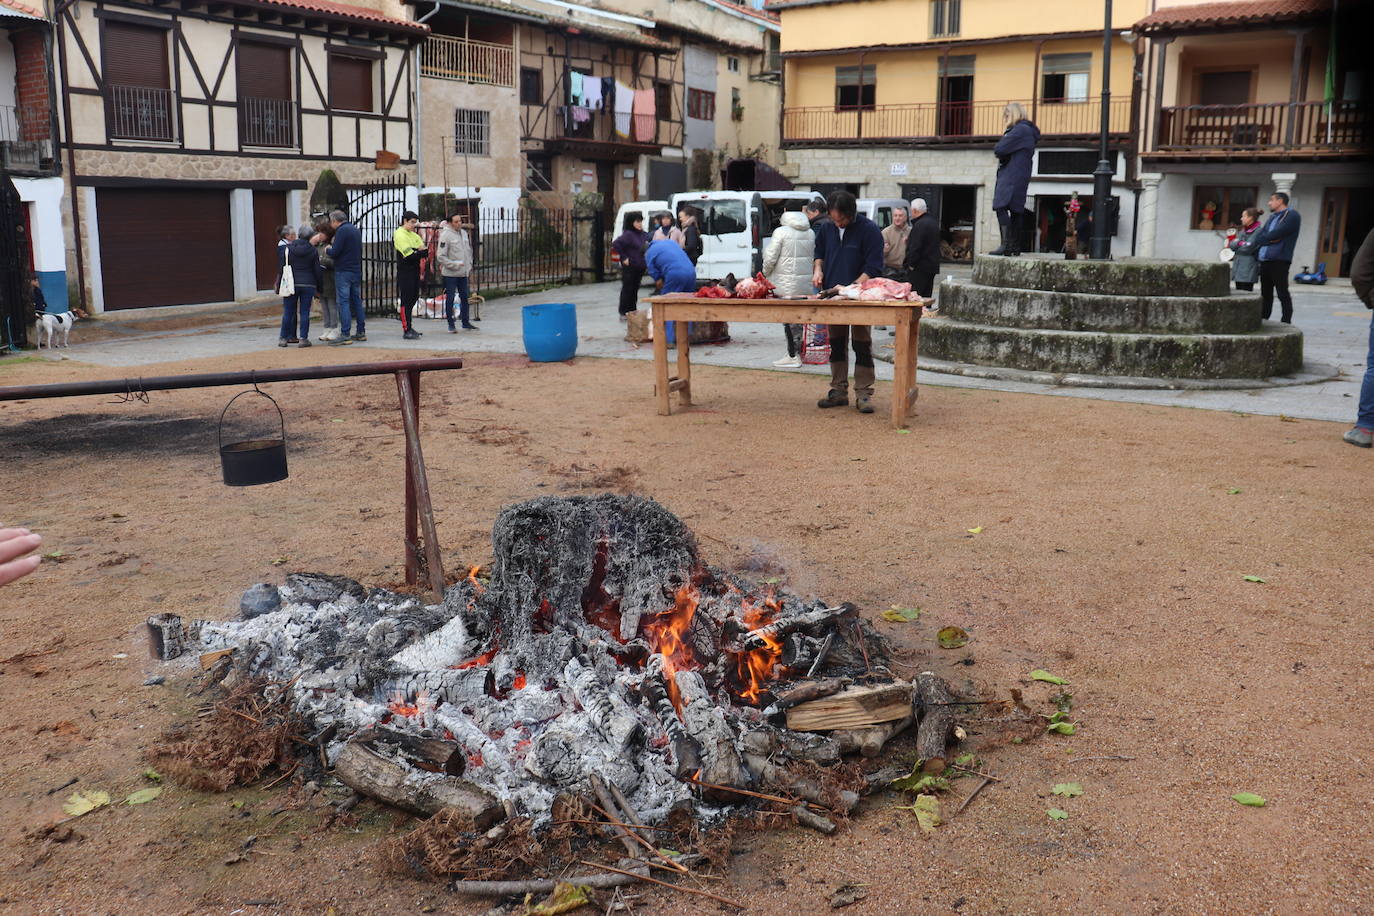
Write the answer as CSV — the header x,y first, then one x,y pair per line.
x,y
16,302
376,209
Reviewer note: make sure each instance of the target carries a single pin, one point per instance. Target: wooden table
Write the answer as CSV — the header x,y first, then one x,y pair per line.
x,y
904,316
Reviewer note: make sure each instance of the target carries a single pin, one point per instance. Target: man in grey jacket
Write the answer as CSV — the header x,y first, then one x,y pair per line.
x,y
455,264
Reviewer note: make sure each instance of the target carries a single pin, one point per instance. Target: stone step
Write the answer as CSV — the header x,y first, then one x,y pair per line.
x,y
1121,277
1271,351
1064,311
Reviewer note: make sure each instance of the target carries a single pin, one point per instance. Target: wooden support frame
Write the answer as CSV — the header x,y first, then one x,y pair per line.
x,y
419,508
904,316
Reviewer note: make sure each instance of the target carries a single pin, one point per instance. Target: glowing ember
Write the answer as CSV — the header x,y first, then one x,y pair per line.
x,y
483,659
667,635
399,705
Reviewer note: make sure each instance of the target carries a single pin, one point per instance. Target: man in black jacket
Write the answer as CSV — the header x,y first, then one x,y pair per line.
x,y
922,250
1362,279
849,249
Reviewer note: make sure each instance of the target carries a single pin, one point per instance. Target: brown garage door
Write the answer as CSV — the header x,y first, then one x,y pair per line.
x,y
269,215
164,246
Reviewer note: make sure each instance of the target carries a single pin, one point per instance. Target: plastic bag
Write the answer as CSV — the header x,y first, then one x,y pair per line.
x,y
815,348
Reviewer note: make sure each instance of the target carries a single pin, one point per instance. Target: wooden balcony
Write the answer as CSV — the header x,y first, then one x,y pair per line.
x,y
480,62
947,123
1273,129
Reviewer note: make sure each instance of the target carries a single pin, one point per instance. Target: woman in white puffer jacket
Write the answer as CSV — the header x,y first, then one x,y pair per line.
x,y
788,265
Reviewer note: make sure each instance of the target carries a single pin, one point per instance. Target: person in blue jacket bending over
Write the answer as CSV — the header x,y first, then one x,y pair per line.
x,y
672,270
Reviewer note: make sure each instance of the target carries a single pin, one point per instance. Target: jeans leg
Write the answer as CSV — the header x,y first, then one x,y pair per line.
x,y
343,298
463,318
791,340
1365,418
288,317
450,290
330,306
304,298
356,304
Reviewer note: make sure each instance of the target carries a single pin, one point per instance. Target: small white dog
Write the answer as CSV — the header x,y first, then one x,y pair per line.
x,y
48,325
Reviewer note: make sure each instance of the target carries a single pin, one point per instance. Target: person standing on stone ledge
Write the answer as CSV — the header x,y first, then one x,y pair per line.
x,y
1014,152
1276,242
1362,279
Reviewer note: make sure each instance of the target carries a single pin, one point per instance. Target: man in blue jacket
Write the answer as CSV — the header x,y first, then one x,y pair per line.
x,y
849,249
347,253
1276,240
668,264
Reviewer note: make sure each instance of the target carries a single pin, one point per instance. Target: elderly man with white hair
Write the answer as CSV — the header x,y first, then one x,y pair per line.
x,y
922,261
894,245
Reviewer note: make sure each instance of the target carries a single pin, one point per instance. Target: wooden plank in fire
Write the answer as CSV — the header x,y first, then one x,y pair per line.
x,y
852,708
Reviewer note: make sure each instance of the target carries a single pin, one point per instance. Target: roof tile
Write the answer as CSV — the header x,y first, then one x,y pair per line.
x,y
1235,13
22,8
345,11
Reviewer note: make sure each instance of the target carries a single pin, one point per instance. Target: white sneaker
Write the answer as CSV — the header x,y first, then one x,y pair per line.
x,y
330,334
788,362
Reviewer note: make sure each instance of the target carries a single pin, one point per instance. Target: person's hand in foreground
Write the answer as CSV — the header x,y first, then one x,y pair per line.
x,y
14,544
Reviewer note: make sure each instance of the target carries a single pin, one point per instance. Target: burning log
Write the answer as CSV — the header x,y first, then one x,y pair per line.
x,y
869,741
760,637
686,755
852,708
787,697
610,716
364,766
705,722
935,702
430,754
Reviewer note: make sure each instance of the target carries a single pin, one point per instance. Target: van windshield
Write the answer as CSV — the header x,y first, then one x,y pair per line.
x,y
725,217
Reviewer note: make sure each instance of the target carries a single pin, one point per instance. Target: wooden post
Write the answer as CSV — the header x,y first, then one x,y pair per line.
x,y
1294,86
684,363
665,404
408,386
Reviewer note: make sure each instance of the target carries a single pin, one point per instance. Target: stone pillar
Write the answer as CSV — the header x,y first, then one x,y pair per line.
x,y
1284,181
241,243
1149,213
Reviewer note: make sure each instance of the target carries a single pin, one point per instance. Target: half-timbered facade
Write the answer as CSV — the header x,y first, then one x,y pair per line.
x,y
194,130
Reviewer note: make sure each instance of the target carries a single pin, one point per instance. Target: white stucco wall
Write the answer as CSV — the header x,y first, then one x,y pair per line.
x,y
699,72
1174,237
6,70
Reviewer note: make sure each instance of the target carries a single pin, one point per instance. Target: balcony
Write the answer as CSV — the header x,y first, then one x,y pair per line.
x,y
466,61
935,123
140,113
25,138
267,122
1277,128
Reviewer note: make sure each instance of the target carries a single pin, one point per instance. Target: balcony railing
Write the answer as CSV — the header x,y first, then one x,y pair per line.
x,y
267,122
445,58
140,113
948,122
24,124
1272,127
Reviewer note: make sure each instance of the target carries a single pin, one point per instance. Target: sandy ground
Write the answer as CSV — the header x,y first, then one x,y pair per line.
x,y
1114,543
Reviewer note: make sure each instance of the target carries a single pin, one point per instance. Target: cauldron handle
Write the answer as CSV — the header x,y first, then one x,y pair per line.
x,y
281,418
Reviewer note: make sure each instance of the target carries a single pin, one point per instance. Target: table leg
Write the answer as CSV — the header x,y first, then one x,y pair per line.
x,y
665,406
684,364
915,351
901,369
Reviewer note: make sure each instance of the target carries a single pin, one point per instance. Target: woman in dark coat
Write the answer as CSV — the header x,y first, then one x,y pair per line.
x,y
630,246
1014,152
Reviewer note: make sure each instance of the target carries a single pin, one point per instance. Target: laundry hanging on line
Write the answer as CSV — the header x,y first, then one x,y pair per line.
x,y
624,105
646,123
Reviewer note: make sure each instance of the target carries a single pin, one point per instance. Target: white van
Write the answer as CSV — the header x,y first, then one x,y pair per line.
x,y
736,227
642,208
879,209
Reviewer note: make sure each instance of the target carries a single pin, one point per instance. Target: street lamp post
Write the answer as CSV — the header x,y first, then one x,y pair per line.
x,y
1100,246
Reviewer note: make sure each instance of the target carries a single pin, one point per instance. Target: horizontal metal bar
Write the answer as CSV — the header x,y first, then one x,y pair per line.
x,y
218,379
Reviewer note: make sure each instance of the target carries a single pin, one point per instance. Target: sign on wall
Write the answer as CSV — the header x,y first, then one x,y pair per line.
x,y
898,169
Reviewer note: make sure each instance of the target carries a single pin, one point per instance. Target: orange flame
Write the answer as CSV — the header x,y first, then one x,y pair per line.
x,y
754,667
667,635
477,587
400,706
482,659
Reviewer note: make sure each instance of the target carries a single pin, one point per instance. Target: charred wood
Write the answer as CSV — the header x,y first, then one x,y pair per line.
x,y
610,716
363,768
935,702
432,754
777,777
654,690
869,741
794,695
808,818
758,637
705,722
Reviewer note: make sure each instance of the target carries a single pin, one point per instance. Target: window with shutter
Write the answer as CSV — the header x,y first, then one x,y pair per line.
x,y
350,83
138,82
267,112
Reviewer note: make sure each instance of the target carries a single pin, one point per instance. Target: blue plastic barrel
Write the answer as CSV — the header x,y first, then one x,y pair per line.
x,y
550,331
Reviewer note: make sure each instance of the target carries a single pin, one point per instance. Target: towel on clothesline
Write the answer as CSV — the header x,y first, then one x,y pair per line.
x,y
574,87
591,92
581,115
646,127
624,105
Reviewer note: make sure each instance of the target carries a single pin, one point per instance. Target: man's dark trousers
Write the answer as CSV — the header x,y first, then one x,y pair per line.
x,y
1274,279
922,282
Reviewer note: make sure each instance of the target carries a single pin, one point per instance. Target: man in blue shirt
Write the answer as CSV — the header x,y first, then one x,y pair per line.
x,y
849,249
347,252
668,264
1276,240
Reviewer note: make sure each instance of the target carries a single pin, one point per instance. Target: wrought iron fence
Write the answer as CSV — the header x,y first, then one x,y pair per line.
x,y
1268,126
447,58
24,123
140,113
267,122
513,249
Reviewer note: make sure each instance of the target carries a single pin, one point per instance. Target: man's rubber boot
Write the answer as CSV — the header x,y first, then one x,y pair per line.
x,y
834,399
1002,248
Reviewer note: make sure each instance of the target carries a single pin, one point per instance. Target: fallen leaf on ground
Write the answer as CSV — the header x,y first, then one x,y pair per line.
x,y
1040,674
564,899
952,637
1250,799
902,614
1068,789
927,809
903,432
79,803
1253,579
1284,418
143,796
847,894
1056,814
1063,728
1233,491
919,782
978,530
152,774
281,561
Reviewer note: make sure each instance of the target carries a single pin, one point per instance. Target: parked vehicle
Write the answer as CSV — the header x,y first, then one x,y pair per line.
x,y
643,208
736,227
879,209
